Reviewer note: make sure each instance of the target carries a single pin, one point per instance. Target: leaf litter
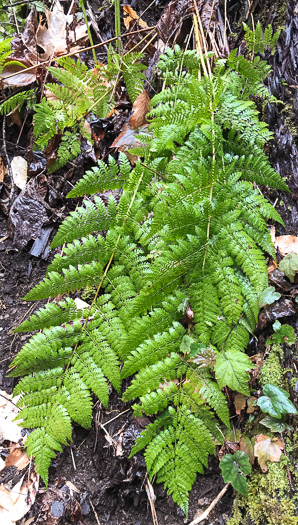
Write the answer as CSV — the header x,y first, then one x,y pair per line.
x,y
41,41
18,485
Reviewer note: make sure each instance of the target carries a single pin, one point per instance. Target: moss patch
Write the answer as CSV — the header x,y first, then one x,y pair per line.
x,y
271,371
268,501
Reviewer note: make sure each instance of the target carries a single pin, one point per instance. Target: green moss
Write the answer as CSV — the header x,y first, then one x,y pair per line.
x,y
268,502
271,371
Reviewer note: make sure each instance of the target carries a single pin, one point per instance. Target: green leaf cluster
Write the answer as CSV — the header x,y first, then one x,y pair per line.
x,y
76,93
187,232
258,41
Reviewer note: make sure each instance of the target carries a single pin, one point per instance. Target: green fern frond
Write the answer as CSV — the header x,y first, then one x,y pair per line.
x,y
93,218
257,41
103,177
17,101
51,315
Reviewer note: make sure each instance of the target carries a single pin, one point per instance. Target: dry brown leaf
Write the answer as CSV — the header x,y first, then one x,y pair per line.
x,y
286,244
240,403
247,446
257,359
14,118
72,486
14,504
9,429
139,110
28,521
127,140
130,15
19,168
267,449
3,170
251,407
17,458
52,36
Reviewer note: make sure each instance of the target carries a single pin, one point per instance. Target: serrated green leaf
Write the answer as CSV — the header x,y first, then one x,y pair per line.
x,y
233,469
285,334
289,266
231,369
268,296
186,343
275,425
275,402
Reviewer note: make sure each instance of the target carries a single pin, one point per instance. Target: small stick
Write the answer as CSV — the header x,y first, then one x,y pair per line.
x,y
151,498
82,50
73,460
205,514
7,159
116,417
95,513
287,466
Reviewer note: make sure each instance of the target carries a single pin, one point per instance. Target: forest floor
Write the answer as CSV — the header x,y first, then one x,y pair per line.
x,y
108,487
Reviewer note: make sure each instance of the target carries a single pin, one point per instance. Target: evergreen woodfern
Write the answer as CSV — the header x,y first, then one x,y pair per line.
x,y
178,259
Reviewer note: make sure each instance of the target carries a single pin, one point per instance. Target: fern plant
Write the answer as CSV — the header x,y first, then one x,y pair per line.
x,y
258,41
77,92
178,261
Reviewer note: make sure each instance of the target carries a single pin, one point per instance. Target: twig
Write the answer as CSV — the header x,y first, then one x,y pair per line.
x,y
95,513
10,401
82,50
73,460
151,498
7,159
205,514
116,417
287,466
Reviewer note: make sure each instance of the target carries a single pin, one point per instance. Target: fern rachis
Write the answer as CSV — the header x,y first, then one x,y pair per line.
x,y
195,236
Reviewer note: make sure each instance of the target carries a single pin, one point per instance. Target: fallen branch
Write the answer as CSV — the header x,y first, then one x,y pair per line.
x,y
205,514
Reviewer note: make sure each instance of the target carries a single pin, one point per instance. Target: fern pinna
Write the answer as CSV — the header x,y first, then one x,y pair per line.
x,y
179,264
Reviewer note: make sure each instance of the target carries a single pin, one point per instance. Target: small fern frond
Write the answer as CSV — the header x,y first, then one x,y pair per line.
x,y
93,218
103,177
17,101
51,315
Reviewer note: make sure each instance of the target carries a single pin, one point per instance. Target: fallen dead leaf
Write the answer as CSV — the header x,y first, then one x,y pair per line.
x,y
130,15
139,110
247,446
14,504
17,458
3,170
267,449
30,520
9,429
257,359
251,406
19,168
71,486
286,244
240,403
127,140
51,36
81,304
